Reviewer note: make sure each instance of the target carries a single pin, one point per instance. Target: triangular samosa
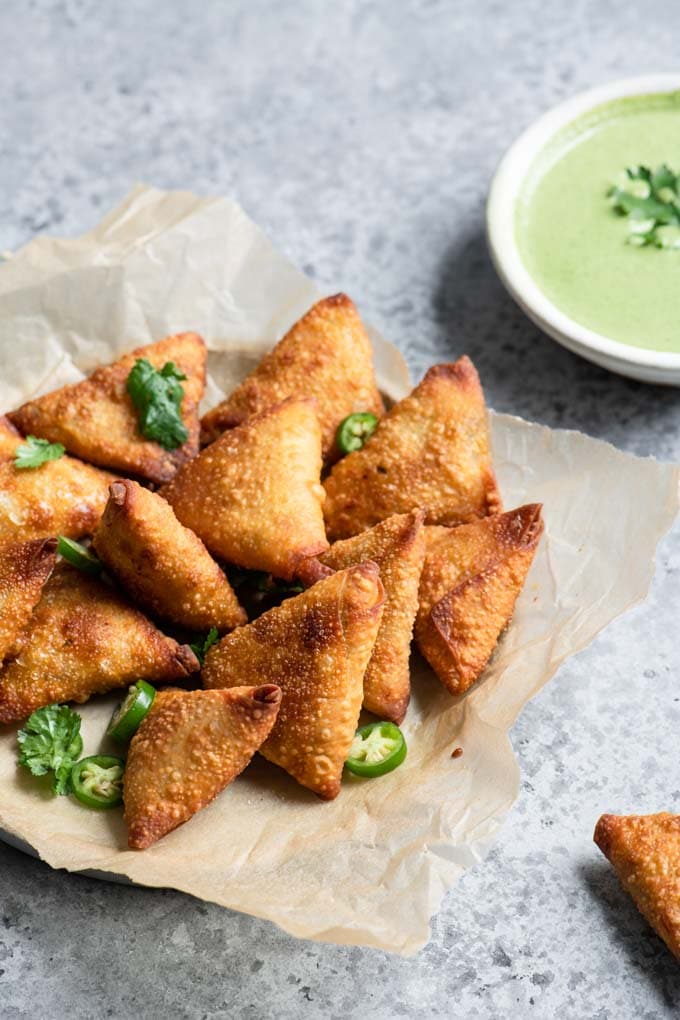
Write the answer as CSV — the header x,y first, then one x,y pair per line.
x,y
645,853
10,439
315,647
468,589
163,565
254,495
24,569
326,355
84,639
397,545
61,497
431,450
96,419
188,748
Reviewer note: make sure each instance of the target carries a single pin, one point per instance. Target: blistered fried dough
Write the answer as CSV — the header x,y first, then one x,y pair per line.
x,y
62,497
315,647
96,419
24,569
188,748
645,853
164,566
326,355
468,589
431,450
84,639
10,439
397,545
254,495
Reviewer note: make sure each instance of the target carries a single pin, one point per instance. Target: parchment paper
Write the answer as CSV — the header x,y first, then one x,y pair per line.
x,y
371,867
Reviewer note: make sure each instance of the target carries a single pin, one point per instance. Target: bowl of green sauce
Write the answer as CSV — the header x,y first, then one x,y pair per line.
x,y
583,224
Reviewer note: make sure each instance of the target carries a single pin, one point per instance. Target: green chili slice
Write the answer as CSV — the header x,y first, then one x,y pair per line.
x,y
129,714
78,556
354,430
98,781
376,749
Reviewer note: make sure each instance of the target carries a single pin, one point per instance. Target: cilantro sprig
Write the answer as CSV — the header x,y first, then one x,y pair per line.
x,y
157,396
201,647
651,201
50,741
36,452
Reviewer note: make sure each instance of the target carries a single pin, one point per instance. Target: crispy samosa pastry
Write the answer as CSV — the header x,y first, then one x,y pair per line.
x,y
315,647
326,355
96,419
163,565
62,497
254,495
24,569
84,639
397,545
431,450
468,589
189,747
645,852
10,439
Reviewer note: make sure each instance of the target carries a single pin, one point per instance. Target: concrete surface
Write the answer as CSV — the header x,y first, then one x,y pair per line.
x,y
362,137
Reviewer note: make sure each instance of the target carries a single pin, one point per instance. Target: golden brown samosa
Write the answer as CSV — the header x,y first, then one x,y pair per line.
x,y
96,419
24,569
645,853
163,565
84,639
431,450
10,439
315,647
397,545
188,748
254,495
326,355
468,589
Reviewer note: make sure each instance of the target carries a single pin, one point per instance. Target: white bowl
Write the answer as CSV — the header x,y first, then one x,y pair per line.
x,y
636,362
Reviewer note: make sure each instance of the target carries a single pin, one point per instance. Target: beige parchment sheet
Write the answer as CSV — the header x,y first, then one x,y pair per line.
x,y
370,868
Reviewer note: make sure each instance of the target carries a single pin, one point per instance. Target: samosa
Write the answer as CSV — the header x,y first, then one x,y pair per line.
x,y
84,639
97,420
10,439
191,745
315,647
431,451
326,355
254,495
24,569
472,577
645,853
163,565
397,545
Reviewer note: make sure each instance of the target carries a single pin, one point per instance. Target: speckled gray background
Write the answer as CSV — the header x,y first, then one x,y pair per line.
x,y
362,136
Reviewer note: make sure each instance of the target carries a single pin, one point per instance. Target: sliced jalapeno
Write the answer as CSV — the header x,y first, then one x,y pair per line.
x,y
376,749
98,781
78,556
129,714
354,430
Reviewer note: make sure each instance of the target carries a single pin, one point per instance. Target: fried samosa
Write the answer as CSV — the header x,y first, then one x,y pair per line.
x,y
24,569
431,450
645,853
10,439
96,419
326,355
315,647
62,497
84,639
254,495
189,747
397,545
468,589
163,565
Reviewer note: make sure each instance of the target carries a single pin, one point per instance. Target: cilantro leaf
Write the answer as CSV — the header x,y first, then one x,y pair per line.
x,y
651,200
50,741
200,648
157,396
35,452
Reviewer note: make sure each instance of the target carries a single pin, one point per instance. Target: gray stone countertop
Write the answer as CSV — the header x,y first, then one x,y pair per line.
x,y
362,136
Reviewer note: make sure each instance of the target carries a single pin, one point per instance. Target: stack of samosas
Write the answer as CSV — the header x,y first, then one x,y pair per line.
x,y
405,531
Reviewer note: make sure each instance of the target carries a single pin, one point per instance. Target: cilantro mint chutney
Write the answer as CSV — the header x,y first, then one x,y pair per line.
x,y
610,267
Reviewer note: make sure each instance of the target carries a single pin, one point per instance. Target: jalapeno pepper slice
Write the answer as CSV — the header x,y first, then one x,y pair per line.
x,y
129,714
376,749
354,430
98,781
78,555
